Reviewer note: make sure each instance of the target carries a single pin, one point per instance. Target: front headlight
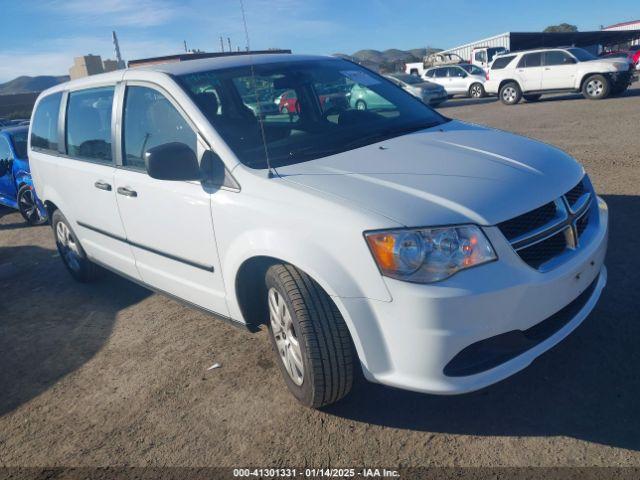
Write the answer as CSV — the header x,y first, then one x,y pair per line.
x,y
426,255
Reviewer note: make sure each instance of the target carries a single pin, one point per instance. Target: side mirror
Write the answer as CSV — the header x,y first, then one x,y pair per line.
x,y
212,168
172,161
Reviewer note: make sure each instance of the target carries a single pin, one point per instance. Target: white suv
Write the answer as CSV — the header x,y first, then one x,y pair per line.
x,y
429,254
464,79
532,73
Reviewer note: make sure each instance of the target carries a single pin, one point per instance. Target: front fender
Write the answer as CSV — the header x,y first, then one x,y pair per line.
x,y
23,177
312,257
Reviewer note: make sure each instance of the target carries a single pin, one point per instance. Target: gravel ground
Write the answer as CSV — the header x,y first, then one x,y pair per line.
x,y
111,374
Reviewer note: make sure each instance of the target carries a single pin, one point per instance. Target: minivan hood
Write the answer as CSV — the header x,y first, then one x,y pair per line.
x,y
454,173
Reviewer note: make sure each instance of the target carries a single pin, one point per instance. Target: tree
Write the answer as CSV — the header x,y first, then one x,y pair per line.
x,y
563,27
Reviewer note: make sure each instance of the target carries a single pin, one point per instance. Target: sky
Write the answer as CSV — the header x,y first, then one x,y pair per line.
x,y
41,37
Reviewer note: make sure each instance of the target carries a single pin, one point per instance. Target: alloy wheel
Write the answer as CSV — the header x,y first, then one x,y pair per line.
x,y
509,94
476,91
68,246
284,334
29,208
595,88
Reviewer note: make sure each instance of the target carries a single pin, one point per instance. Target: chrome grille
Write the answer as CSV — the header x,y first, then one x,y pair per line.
x,y
544,234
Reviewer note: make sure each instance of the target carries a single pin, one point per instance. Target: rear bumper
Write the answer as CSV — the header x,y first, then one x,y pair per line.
x,y
419,339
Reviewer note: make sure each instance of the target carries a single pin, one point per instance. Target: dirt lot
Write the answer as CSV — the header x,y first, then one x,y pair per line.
x,y
110,374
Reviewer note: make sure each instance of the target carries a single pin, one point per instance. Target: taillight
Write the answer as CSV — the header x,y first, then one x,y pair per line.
x,y
486,74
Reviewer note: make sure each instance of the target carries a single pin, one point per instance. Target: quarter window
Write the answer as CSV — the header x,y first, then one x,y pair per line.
x,y
44,126
502,62
531,60
151,120
88,129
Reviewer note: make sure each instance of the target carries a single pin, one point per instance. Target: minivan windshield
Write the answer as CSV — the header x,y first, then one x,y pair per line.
x,y
316,108
581,55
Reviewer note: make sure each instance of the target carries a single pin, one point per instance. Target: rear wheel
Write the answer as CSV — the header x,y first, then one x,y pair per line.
x,y
596,87
72,254
29,207
510,93
309,337
476,90
532,98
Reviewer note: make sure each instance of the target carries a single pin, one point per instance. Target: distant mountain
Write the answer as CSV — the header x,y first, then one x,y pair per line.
x,y
26,84
388,58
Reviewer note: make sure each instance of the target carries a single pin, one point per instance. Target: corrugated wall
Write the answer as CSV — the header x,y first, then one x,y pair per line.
x,y
464,51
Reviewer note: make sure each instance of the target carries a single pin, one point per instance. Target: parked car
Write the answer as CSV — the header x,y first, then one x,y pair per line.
x,y
457,80
288,102
430,254
16,186
430,93
364,98
530,74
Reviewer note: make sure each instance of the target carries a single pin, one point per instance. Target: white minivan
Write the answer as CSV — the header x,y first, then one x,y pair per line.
x,y
427,253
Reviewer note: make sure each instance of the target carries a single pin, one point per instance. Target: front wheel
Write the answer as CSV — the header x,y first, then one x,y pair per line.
x,y
361,105
72,254
309,336
596,87
476,90
28,206
510,93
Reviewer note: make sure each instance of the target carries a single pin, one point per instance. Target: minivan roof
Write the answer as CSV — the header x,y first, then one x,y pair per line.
x,y
186,67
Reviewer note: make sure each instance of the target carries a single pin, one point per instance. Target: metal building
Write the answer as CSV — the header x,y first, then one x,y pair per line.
x,y
624,26
515,41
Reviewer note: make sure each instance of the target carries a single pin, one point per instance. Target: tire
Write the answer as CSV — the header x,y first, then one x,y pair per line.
x,y
28,206
361,105
532,98
510,93
476,90
284,110
302,314
596,87
71,252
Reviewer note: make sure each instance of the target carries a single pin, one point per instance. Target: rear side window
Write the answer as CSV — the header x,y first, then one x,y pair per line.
x,y
441,73
531,60
502,62
151,120
44,125
88,131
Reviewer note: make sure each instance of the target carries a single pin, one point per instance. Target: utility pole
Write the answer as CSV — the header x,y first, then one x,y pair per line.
x,y
116,48
229,42
185,46
221,45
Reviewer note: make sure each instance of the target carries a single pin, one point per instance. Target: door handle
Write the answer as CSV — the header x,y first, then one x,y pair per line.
x,y
547,68
127,192
102,186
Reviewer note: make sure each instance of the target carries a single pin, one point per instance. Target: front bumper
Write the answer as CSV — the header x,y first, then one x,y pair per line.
x,y
409,342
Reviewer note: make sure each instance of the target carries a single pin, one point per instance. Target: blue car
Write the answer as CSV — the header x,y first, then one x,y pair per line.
x,y
16,187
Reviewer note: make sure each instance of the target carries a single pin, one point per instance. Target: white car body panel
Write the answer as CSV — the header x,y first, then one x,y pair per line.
x,y
313,215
